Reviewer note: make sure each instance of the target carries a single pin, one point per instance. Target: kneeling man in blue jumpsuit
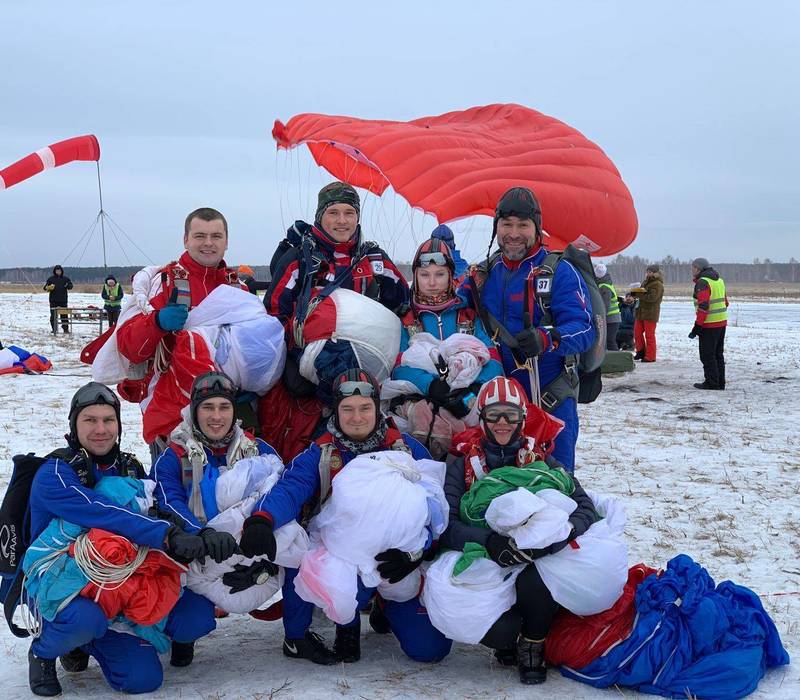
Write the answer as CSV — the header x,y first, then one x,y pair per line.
x,y
355,428
64,488
504,291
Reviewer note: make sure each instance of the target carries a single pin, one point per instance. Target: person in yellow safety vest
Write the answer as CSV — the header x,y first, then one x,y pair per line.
x,y
112,297
609,294
711,319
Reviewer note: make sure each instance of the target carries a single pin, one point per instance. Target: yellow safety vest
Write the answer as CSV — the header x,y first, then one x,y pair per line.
x,y
613,309
717,311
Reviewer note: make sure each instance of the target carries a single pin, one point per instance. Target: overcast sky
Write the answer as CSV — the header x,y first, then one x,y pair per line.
x,y
697,103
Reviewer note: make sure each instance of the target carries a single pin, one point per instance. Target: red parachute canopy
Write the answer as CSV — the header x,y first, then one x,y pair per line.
x,y
459,164
61,153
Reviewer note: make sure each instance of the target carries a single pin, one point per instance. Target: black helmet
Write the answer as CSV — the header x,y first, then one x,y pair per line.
x,y
211,385
92,394
355,382
521,202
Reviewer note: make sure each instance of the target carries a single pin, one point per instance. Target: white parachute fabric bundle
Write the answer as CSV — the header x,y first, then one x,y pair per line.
x,y
464,607
464,354
371,329
237,491
533,520
588,578
245,341
380,501
110,366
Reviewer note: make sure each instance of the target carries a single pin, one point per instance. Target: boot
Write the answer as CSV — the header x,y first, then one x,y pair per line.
x,y
506,657
42,676
182,654
347,645
378,620
74,661
639,355
532,668
705,385
311,647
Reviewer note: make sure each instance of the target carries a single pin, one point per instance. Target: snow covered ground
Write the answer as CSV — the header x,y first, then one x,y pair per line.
x,y
715,475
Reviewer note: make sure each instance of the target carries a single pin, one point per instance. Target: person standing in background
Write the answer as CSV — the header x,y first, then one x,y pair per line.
x,y
112,297
58,284
644,328
711,319
609,294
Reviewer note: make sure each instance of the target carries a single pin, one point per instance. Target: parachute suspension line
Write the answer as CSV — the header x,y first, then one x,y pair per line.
x,y
99,570
102,214
281,188
80,240
130,240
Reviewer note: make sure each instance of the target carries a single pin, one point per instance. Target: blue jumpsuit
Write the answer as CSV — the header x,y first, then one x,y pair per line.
x,y
129,663
172,495
503,294
409,621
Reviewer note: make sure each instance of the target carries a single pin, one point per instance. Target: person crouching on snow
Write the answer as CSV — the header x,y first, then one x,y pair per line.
x,y
355,428
64,488
437,310
207,442
506,437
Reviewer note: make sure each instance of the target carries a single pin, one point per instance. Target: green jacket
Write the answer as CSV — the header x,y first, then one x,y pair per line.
x,y
650,302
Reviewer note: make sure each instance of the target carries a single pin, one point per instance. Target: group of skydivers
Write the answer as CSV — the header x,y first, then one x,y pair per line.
x,y
494,294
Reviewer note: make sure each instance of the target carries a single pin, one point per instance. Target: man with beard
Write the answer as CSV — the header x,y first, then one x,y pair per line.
x,y
64,488
504,291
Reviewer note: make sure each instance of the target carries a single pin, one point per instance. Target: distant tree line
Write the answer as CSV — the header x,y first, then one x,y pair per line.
x,y
624,269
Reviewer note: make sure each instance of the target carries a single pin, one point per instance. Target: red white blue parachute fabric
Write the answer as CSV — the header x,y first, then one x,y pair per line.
x,y
57,154
459,164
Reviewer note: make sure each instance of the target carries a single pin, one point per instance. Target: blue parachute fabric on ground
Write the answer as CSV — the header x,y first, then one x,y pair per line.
x,y
333,360
691,638
19,352
55,582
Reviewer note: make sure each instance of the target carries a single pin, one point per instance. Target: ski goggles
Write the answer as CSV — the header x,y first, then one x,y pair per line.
x,y
94,393
352,388
212,384
426,259
496,412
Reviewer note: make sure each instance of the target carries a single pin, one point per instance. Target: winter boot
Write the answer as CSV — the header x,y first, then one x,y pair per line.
x,y
506,657
74,661
182,654
705,385
377,618
347,645
532,668
639,355
311,647
42,676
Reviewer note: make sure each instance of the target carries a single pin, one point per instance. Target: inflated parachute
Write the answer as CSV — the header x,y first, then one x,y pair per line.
x,y
53,156
459,164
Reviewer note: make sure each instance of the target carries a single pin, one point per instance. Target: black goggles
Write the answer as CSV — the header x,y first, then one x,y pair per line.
x,y
92,394
512,414
426,259
352,388
213,384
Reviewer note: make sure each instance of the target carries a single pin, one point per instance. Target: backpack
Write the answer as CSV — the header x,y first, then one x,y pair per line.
x,y
588,363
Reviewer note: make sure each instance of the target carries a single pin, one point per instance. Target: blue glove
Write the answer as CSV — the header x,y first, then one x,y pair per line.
x,y
172,317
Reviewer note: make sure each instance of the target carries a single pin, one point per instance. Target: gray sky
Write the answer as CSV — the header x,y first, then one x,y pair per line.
x,y
697,103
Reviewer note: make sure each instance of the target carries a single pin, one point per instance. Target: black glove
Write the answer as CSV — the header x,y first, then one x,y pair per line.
x,y
504,552
696,328
439,391
532,341
243,577
258,538
185,546
219,545
396,564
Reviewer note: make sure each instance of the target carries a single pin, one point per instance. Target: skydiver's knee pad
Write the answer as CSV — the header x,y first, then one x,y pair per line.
x,y
418,638
191,618
129,664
